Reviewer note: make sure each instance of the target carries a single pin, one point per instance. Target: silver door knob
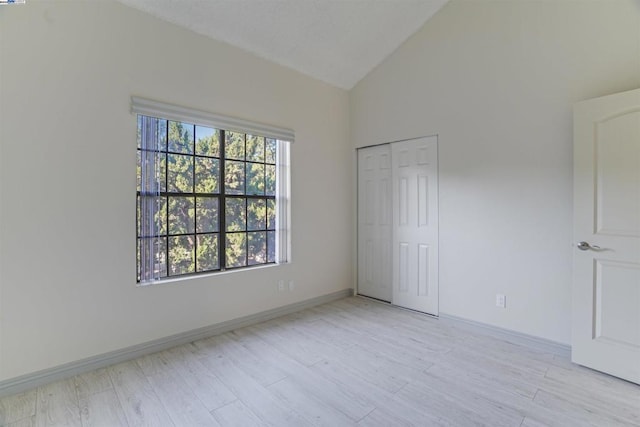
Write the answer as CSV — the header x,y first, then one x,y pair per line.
x,y
583,246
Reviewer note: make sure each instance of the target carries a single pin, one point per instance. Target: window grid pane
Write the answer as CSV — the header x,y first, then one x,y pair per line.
x,y
207,252
200,223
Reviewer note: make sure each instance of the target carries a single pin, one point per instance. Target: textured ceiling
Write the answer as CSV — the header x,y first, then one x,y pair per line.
x,y
337,41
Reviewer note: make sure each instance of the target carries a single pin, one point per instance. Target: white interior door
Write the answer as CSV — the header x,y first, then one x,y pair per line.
x,y
606,283
415,224
374,222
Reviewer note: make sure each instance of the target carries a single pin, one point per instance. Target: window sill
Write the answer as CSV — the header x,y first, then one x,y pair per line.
x,y
200,276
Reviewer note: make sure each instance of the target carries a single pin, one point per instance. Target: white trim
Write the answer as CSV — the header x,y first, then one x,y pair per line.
x,y
148,107
283,203
29,381
514,337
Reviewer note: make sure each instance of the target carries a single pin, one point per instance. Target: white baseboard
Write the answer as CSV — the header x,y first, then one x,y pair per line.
x,y
29,381
515,337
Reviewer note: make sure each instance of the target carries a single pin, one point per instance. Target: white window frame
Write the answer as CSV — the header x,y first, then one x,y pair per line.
x,y
284,136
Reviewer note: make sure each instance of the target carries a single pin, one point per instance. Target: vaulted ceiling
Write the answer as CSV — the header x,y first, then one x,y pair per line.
x,y
336,41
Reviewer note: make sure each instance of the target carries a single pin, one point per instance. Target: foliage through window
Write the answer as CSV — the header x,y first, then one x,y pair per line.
x,y
206,199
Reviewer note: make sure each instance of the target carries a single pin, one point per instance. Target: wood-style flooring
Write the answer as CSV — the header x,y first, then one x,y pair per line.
x,y
349,362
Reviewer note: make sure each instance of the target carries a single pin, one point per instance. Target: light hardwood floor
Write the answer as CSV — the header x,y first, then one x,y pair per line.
x,y
350,362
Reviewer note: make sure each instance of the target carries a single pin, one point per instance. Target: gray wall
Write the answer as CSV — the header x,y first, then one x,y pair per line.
x,y
67,179
496,81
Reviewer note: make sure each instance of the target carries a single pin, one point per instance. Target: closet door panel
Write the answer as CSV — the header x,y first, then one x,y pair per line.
x,y
375,222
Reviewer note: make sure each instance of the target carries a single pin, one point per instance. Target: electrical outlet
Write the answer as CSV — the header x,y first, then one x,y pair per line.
x,y
501,301
291,285
280,285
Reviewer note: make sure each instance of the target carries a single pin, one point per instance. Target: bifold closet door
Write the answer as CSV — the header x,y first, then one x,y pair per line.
x,y
374,222
415,224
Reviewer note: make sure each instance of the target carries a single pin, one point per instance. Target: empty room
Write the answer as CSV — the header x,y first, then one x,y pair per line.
x,y
319,213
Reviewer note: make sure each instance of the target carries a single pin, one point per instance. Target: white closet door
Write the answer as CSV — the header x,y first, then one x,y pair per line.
x,y
415,224
374,222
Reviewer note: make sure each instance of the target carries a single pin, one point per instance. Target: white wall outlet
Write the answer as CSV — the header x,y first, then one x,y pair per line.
x,y
501,301
280,285
292,285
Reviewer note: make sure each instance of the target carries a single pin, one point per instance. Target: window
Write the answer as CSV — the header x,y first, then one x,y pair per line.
x,y
212,193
